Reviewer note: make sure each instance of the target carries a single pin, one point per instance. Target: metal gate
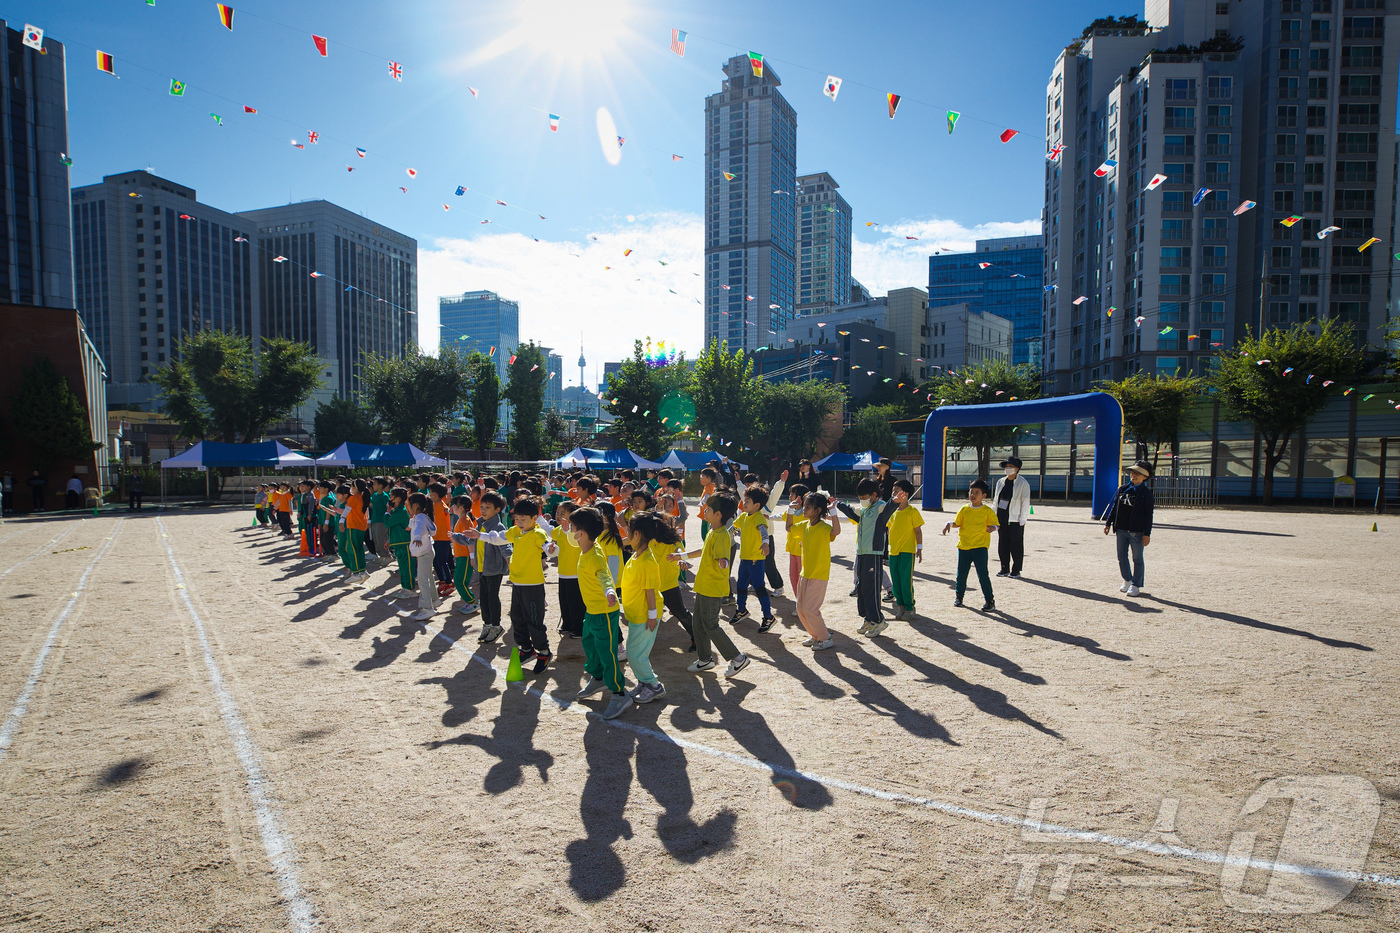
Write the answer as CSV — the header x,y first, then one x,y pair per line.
x,y
1189,489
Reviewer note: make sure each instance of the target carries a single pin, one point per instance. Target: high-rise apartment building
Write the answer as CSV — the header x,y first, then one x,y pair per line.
x,y
554,385
337,280
1281,102
152,264
36,258
1010,286
750,199
487,323
824,244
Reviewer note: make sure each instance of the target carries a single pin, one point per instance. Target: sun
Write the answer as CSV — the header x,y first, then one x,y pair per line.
x,y
566,32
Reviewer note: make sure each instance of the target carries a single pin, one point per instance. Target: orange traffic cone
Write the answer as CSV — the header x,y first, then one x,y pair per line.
x,y
305,551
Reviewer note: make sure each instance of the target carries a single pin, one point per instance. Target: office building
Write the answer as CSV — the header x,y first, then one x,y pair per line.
x,y
1011,286
750,199
152,264
609,370
824,245
336,280
487,323
855,354
902,314
554,387
36,258
959,336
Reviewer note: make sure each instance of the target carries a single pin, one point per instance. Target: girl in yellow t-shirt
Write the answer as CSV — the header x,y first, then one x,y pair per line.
x,y
816,533
641,588
571,607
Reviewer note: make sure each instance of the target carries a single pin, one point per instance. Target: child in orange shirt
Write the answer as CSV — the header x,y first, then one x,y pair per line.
x,y
442,541
461,555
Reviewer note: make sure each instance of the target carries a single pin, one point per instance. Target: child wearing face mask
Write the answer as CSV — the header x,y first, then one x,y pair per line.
x,y
1013,505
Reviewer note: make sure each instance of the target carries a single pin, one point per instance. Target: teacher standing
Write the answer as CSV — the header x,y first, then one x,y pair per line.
x,y
1129,516
1013,505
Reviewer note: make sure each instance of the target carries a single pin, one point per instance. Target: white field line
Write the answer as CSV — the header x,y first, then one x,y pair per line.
x,y
281,850
42,548
12,721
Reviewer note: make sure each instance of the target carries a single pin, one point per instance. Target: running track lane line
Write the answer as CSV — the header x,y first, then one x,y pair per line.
x,y
43,547
1069,834
281,850
12,721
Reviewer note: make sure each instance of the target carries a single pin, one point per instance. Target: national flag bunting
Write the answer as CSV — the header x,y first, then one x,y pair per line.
x,y
983,265
1364,246
177,88
620,141
461,190
1080,300
1322,234
312,137
317,275
396,71
676,158
360,152
728,177
1290,221
833,86
1156,182
474,91
106,63
1054,154
1245,206
1007,135
756,63
412,172
247,109
952,120
678,42
34,37
554,122
892,100
217,119
1200,196
226,15
320,44
1108,166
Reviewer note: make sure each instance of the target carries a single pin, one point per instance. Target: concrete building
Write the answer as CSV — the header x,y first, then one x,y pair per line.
x,y
554,388
36,245
902,313
487,323
750,217
959,336
152,264
608,370
824,241
855,354
337,280
1011,286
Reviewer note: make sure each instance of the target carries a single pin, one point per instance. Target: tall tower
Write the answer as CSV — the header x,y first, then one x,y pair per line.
x,y
750,220
581,363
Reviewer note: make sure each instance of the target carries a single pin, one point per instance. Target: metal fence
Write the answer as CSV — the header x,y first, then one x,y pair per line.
x,y
1184,491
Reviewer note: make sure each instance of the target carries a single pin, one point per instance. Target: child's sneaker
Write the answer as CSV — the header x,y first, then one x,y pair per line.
x,y
489,633
423,615
958,602
648,692
468,609
823,645
542,662
740,662
776,592
617,705
863,630
1124,587
767,623
991,604
527,656
699,665
876,629
888,597
739,614
1134,591
855,591
593,686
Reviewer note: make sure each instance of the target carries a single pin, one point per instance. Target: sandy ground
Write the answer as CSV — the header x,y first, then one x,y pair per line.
x,y
966,771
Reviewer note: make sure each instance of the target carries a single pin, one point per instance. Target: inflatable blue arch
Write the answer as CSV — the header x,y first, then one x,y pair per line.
x,y
1102,407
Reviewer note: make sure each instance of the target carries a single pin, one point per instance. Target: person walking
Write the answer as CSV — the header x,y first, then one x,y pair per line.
x,y
1013,505
1129,516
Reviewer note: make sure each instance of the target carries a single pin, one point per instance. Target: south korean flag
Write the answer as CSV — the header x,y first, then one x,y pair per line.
x,y
833,86
34,37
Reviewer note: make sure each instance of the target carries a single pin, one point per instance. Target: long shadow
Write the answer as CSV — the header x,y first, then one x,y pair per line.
x,y
511,742
791,664
992,702
466,690
875,696
373,614
1156,525
316,610
1256,623
751,731
1050,634
452,628
388,650
312,590
122,772
1090,595
959,642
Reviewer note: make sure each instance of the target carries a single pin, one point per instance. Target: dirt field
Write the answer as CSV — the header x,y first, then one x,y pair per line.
x,y
205,732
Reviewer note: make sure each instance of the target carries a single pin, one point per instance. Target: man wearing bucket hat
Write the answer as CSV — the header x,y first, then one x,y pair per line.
x,y
1129,516
1013,505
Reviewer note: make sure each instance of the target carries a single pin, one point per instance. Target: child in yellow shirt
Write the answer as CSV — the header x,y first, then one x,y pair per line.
x,y
975,523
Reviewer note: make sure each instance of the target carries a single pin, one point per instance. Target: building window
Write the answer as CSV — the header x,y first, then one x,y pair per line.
x,y
1219,88
1287,88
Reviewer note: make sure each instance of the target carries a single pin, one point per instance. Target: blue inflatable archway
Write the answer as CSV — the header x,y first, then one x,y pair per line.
x,y
1102,407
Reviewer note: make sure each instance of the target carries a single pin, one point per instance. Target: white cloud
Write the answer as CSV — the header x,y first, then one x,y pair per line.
x,y
565,288
892,261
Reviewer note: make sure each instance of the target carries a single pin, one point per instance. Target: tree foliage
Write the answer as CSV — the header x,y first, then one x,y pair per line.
x,y
50,418
726,394
219,388
871,430
988,382
1253,385
344,419
792,416
528,374
415,397
484,412
634,397
1153,408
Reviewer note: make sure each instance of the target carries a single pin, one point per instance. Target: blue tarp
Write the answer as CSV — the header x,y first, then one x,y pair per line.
x,y
351,454
863,462
266,454
692,460
587,457
1102,407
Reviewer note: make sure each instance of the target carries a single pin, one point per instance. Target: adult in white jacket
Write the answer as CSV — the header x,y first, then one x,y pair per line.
x,y
1013,505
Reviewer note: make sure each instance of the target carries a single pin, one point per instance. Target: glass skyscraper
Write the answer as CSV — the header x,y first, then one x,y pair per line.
x,y
479,321
36,246
1010,286
824,238
750,200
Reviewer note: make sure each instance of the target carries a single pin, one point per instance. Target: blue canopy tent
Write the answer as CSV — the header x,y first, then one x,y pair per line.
x,y
263,455
862,462
1102,407
693,460
588,458
351,454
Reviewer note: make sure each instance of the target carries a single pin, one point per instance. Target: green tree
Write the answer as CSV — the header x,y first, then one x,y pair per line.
x,y
1392,349
219,389
988,382
50,418
485,408
634,398
726,394
415,397
1253,385
528,375
871,430
1153,408
793,415
343,419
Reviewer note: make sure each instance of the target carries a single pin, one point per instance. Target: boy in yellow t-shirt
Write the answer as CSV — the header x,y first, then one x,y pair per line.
x,y
906,546
528,544
975,523
754,544
712,586
571,607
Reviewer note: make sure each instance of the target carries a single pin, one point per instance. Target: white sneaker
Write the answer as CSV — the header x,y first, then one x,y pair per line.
x,y
812,641
422,615
777,593
697,665
1134,591
1124,587
740,662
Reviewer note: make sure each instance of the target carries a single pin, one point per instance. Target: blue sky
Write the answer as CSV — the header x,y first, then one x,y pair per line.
x,y
532,57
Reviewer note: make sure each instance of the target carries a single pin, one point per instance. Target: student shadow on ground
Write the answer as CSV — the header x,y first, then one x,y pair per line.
x,y
1092,596
372,615
466,691
389,650
595,869
1256,623
960,642
1031,630
873,695
512,738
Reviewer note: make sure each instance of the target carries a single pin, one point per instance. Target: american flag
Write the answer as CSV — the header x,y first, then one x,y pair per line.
x,y
312,137
396,71
678,42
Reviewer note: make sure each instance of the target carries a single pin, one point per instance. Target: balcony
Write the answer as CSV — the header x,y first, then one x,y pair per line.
x,y
1217,178
1215,233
